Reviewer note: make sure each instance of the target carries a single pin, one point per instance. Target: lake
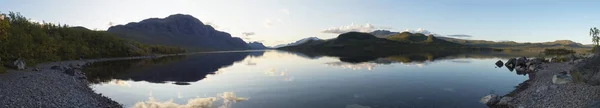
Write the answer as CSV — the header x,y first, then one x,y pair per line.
x,y
278,79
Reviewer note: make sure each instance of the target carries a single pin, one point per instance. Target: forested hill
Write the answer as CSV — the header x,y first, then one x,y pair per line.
x,y
41,42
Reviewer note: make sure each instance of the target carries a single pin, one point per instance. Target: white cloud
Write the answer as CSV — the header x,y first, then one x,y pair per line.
x,y
272,22
419,30
269,23
211,24
285,11
248,33
352,28
460,36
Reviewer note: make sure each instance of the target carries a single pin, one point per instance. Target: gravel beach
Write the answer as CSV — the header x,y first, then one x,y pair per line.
x,y
540,92
54,85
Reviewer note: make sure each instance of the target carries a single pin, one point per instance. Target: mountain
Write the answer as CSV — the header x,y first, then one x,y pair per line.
x,y
383,33
356,46
256,45
301,41
422,38
179,30
515,45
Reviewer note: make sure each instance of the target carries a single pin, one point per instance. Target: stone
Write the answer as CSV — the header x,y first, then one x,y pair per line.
x,y
522,61
70,72
505,100
562,78
532,68
510,62
36,69
536,61
56,67
521,69
489,99
19,64
499,63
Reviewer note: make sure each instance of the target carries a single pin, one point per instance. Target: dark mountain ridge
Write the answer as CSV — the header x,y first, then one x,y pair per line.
x,y
179,30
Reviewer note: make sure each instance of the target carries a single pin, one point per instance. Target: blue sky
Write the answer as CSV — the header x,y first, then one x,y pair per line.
x,y
282,21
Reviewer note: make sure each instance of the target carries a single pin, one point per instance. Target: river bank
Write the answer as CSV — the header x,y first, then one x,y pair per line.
x,y
544,90
55,85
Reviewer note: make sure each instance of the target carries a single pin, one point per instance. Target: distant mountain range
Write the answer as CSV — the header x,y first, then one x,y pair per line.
x,y
256,45
493,44
179,30
512,44
383,33
301,41
357,46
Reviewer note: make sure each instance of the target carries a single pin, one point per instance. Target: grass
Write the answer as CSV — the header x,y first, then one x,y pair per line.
x,y
2,70
576,76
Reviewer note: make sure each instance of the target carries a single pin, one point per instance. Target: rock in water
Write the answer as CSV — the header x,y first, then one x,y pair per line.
x,y
489,99
511,62
562,78
499,63
19,64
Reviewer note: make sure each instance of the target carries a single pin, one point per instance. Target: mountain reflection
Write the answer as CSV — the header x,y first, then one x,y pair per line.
x,y
177,69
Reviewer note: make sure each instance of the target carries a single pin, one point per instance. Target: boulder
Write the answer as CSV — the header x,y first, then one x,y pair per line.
x,y
56,67
532,68
70,72
499,63
505,100
536,61
521,69
511,62
562,78
522,61
490,99
19,64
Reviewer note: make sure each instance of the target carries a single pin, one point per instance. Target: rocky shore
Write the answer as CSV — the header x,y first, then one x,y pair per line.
x,y
54,85
551,85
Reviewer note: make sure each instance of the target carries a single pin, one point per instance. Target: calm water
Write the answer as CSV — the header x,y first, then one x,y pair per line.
x,y
275,79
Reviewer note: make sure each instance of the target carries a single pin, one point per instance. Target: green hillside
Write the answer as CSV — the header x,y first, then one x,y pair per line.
x,y
43,42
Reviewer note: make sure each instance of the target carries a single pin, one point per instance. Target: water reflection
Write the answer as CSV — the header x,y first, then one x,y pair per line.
x,y
228,98
276,79
177,69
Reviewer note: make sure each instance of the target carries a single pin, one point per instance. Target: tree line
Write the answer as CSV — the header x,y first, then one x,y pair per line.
x,y
42,42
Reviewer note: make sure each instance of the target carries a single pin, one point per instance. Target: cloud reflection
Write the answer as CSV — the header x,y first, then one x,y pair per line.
x,y
353,66
228,98
273,72
120,83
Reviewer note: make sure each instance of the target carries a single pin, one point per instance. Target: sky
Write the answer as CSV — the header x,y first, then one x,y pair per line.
x,y
283,21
